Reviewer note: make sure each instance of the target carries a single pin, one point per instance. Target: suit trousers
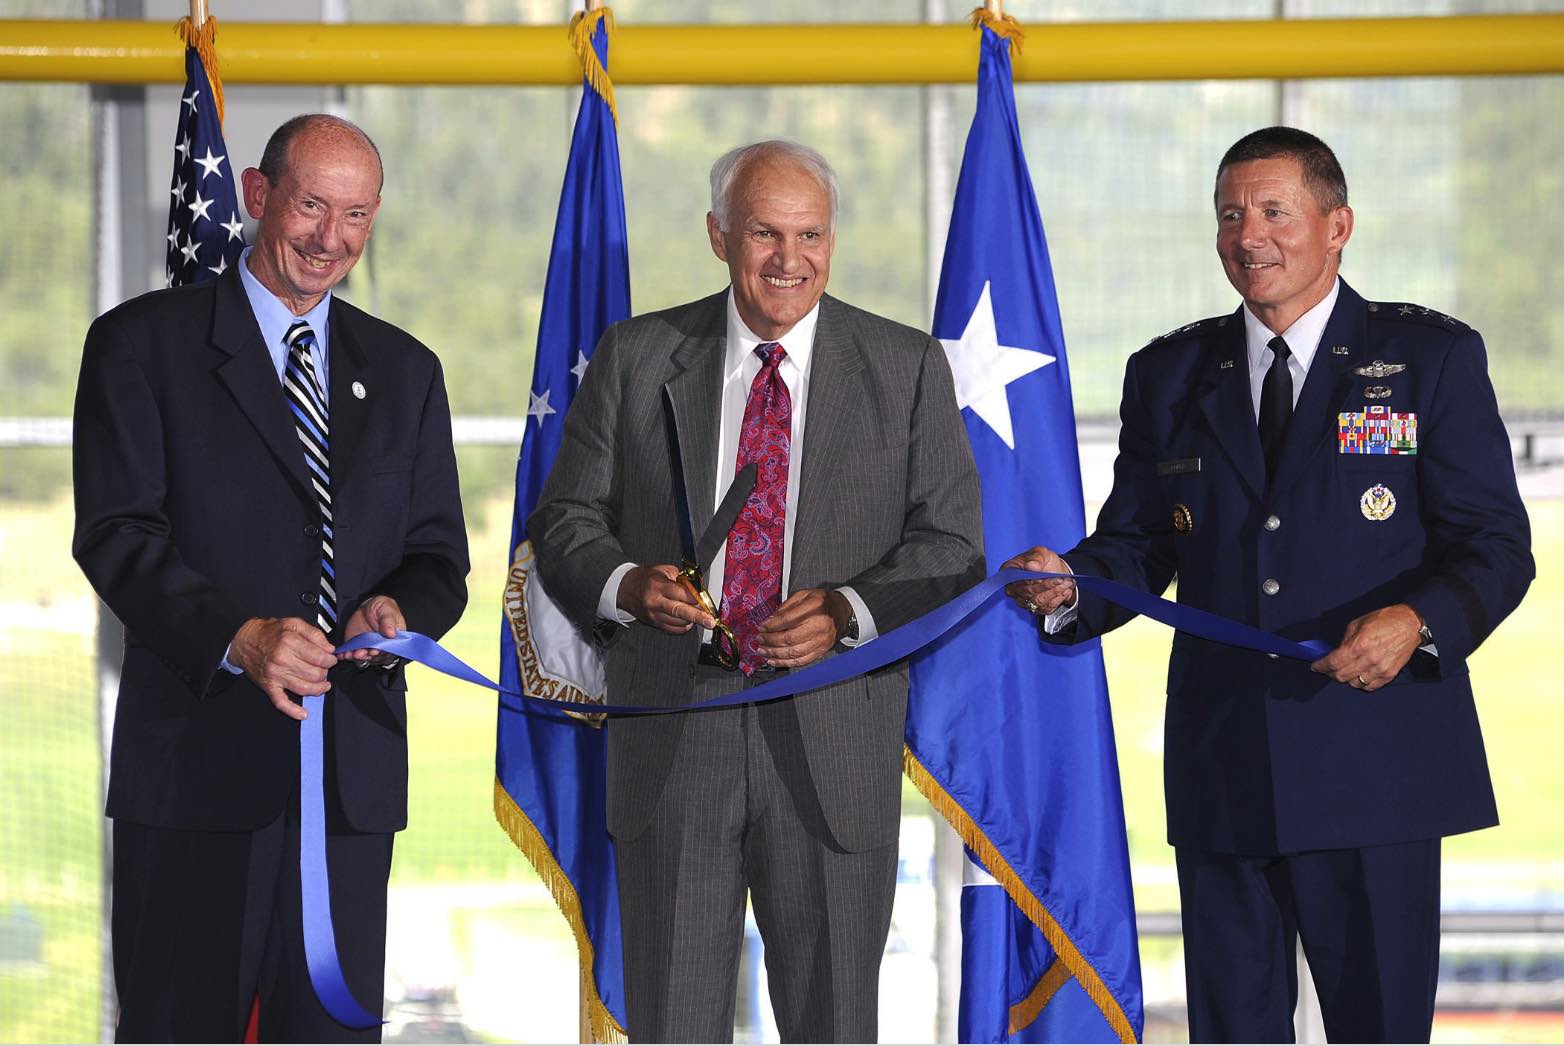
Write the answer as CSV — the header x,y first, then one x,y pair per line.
x,y
1369,922
204,922
728,820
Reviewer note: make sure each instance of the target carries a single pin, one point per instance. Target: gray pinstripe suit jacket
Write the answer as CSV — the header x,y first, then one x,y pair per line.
x,y
888,503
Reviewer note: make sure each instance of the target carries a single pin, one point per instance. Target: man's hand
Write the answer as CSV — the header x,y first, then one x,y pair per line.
x,y
1375,648
283,654
804,627
1041,596
376,614
655,595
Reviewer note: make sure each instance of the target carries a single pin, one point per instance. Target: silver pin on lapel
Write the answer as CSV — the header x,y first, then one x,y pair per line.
x,y
358,390
1225,365
1339,350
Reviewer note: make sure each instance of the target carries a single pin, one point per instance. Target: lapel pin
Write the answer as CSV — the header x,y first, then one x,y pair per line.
x,y
1226,365
1183,519
1339,350
358,390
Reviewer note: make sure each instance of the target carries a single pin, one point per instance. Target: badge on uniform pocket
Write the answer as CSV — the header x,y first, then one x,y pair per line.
x,y
1376,430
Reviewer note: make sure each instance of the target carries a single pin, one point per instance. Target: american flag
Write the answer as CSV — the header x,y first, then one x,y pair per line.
x,y
205,231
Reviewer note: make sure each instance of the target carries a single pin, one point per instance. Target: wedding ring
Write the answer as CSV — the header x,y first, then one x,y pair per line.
x,y
1031,607
1362,681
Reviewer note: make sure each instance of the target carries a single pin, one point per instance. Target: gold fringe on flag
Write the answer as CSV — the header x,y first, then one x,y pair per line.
x,y
1004,26
1068,954
1023,1013
582,25
530,842
204,40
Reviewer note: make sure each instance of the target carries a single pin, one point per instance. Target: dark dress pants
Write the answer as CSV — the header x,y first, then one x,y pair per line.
x,y
728,820
1369,922
204,921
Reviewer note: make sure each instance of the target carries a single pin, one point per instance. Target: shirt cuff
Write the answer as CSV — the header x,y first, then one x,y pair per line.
x,y
866,629
1063,616
229,666
608,602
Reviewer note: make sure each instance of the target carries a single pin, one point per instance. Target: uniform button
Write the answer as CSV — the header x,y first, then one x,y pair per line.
x,y
312,531
1271,586
307,598
1272,522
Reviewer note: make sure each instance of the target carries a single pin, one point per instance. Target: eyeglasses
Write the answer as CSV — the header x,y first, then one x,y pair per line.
x,y
724,646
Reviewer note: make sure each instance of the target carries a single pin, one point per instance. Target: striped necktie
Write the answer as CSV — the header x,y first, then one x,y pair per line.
x,y
307,400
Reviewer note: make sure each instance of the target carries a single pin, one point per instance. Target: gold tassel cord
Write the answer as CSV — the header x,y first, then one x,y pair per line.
x,y
1023,1013
530,842
1000,869
204,39
582,25
1004,26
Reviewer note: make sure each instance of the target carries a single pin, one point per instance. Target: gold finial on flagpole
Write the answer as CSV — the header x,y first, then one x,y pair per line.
x,y
995,7
593,5
198,13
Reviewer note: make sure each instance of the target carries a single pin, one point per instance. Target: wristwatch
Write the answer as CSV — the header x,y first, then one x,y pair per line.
x,y
851,631
1425,636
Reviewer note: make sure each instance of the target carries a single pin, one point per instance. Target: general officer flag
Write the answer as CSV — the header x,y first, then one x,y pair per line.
x,y
1009,738
205,232
549,789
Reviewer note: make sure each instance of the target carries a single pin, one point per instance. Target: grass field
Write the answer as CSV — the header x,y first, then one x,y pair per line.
x,y
50,823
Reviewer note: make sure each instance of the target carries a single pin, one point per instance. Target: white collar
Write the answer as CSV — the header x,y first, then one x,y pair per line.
x,y
1303,337
798,342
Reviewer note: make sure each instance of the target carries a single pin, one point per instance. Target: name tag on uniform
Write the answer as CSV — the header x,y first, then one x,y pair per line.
x,y
1178,466
1376,430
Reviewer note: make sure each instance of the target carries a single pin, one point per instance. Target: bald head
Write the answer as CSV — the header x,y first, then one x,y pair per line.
x,y
315,196
310,129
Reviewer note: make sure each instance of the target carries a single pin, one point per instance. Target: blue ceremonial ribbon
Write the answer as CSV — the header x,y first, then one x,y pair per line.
x,y
319,939
860,660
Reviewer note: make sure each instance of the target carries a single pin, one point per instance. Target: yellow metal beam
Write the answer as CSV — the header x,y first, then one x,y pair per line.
x,y
284,53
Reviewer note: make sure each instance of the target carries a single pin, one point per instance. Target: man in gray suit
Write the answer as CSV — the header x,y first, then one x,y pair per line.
x,y
858,522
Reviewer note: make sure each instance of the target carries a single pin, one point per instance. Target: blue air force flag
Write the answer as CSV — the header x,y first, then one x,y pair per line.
x,y
1017,750
205,232
550,767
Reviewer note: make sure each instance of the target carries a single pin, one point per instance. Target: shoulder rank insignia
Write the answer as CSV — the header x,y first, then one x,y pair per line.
x,y
1376,430
1377,503
1380,369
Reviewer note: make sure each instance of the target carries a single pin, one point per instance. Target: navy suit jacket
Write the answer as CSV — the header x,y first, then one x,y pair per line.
x,y
194,513
1262,755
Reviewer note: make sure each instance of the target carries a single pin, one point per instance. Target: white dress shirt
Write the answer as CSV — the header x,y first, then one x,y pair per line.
x,y
740,365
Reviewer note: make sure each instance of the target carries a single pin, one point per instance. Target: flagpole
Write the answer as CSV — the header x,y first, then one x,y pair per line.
x,y
198,13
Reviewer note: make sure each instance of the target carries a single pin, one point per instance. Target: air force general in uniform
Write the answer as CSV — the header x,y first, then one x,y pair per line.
x,y
1320,466
864,514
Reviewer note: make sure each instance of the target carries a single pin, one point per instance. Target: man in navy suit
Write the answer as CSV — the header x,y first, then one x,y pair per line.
x,y
239,544
1319,466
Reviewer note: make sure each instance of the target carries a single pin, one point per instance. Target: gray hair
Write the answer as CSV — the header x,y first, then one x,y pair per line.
x,y
725,173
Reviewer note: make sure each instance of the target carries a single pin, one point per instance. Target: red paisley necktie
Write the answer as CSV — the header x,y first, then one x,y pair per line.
x,y
752,572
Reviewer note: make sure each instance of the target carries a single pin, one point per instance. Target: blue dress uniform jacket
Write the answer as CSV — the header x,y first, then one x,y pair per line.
x,y
1262,755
